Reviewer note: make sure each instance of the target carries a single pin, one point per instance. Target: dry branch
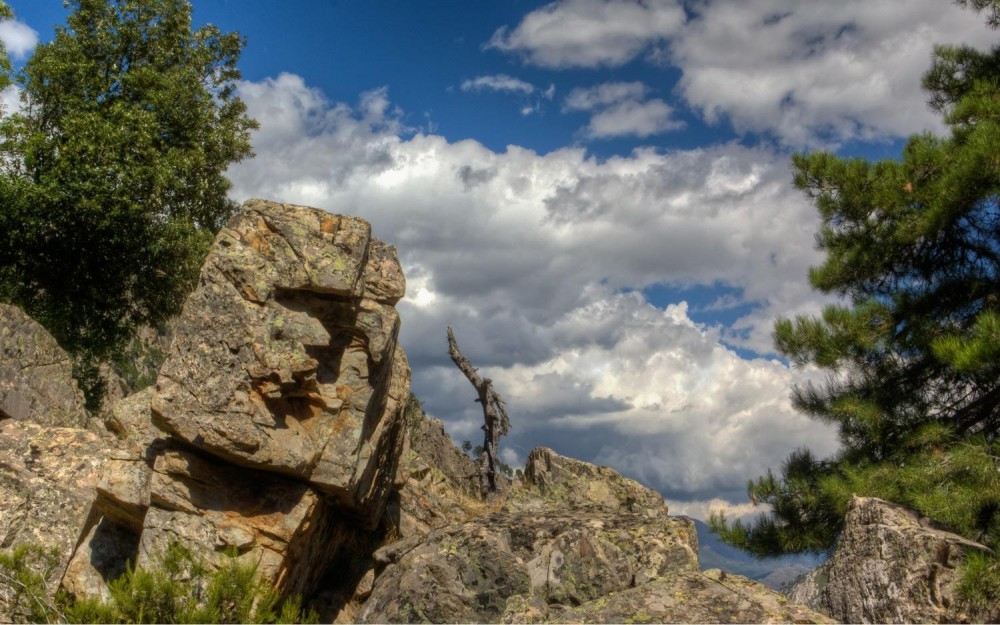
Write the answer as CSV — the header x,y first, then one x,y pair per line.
x,y
496,423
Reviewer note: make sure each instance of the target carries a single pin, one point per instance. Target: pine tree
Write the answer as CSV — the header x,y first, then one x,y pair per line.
x,y
112,174
913,248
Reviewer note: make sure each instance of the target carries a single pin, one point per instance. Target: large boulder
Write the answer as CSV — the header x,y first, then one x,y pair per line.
x,y
571,542
36,375
210,507
285,357
276,424
47,481
891,565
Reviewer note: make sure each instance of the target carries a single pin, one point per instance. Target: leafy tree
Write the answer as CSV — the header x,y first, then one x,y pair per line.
x,y
5,14
913,247
111,176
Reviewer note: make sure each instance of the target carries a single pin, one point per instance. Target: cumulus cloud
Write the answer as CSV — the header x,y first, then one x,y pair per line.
x,y
603,95
18,38
535,260
619,109
806,73
590,33
818,72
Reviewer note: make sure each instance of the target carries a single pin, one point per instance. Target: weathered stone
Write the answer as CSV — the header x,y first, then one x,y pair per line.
x,y
100,557
466,572
209,507
47,479
130,421
111,537
285,357
137,366
571,533
384,282
123,488
36,375
553,479
891,566
439,485
683,597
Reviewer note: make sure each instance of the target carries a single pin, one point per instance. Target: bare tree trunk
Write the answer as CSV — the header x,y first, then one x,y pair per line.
x,y
496,423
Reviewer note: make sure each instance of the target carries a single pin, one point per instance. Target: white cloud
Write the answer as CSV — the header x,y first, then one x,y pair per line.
x,y
527,256
10,100
807,73
619,109
638,119
703,509
498,82
531,96
18,38
606,94
590,33
815,72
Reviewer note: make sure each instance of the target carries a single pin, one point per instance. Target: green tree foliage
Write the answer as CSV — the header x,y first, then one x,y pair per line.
x,y
5,14
913,248
111,176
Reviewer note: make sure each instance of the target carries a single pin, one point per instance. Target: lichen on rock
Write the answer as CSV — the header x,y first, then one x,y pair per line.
x,y
285,356
891,565
36,375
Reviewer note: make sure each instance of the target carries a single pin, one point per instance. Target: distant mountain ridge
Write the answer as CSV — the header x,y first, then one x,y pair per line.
x,y
772,572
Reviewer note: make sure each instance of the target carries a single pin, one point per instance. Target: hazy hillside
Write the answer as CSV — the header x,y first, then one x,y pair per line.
x,y
774,572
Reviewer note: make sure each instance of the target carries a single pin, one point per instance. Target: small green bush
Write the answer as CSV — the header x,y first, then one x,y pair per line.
x,y
23,574
182,590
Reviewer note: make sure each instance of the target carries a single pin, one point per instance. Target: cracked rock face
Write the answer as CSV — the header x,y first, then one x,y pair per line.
x,y
47,480
36,375
276,424
573,543
282,525
285,357
891,566
467,572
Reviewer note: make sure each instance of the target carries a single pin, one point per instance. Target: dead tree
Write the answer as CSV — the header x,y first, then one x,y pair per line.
x,y
496,423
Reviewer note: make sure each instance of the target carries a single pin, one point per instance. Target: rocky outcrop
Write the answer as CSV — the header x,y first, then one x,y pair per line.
x,y
212,507
711,596
275,426
280,430
890,566
285,357
438,484
572,542
556,480
47,481
36,375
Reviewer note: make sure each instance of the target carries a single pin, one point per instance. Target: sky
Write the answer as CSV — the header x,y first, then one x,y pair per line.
x,y
596,194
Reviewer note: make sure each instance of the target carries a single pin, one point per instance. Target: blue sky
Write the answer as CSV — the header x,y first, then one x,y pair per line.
x,y
595,193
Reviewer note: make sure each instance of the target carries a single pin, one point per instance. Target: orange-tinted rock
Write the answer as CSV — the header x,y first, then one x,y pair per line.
x,y
285,357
